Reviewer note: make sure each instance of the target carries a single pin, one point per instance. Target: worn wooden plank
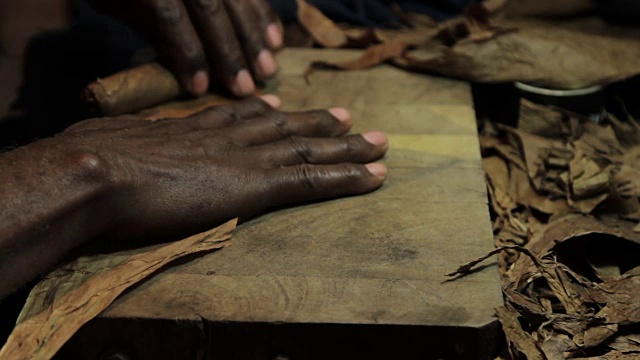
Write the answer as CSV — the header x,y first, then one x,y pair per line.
x,y
373,259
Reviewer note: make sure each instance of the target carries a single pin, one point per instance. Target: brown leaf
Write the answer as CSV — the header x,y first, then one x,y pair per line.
x,y
534,150
410,37
374,55
588,182
522,191
556,346
413,20
540,120
43,334
498,176
321,28
539,54
621,298
613,355
467,268
597,335
565,290
522,341
182,109
626,344
507,151
559,230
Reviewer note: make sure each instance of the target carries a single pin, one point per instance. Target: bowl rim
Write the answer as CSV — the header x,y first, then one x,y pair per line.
x,y
558,93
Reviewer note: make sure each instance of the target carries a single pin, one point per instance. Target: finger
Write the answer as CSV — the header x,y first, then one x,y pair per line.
x,y
269,21
246,22
167,25
278,125
306,182
272,100
297,150
226,115
225,54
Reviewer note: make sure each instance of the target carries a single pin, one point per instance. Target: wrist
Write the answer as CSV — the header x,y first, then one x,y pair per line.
x,y
55,198
61,181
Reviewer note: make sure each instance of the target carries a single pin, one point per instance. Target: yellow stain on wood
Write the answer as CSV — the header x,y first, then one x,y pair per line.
x,y
457,146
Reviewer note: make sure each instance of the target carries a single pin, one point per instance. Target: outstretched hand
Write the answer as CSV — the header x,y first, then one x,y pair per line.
x,y
127,178
201,41
184,175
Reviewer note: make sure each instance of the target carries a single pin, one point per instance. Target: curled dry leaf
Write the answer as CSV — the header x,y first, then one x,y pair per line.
x,y
321,28
521,340
539,54
100,280
374,55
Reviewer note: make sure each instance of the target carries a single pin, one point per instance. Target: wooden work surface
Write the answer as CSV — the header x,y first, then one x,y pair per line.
x,y
373,259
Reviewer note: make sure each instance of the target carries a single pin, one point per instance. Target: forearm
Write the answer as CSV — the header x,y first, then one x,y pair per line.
x,y
53,200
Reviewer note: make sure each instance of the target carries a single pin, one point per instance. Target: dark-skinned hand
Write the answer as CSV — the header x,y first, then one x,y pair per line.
x,y
126,178
201,41
227,161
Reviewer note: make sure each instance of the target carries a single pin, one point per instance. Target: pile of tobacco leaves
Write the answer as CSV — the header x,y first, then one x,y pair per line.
x,y
564,192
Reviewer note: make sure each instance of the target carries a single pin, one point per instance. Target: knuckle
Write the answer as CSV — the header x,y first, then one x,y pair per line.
x,y
301,148
222,116
86,164
224,111
169,11
193,53
304,177
353,147
261,107
280,123
350,172
208,6
323,122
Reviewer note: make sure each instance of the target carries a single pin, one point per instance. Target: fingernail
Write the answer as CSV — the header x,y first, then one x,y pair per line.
x,y
376,138
267,65
272,100
378,170
341,114
244,84
200,83
274,36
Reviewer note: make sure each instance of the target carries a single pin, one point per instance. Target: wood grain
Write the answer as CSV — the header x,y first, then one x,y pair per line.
x,y
373,259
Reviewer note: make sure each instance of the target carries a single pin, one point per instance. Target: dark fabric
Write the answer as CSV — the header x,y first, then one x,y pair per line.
x,y
373,12
626,12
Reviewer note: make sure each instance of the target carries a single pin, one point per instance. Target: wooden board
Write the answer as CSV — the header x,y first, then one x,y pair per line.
x,y
377,259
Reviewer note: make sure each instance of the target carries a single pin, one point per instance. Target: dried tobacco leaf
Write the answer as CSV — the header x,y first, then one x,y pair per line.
x,y
534,150
555,346
621,299
574,282
498,176
539,54
410,37
321,28
613,355
520,339
43,334
374,55
626,344
507,151
559,230
541,120
522,191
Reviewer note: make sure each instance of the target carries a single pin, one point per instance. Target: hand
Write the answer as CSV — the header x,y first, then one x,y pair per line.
x,y
202,41
177,176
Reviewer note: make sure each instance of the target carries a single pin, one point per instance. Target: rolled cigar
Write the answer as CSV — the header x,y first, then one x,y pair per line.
x,y
131,90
